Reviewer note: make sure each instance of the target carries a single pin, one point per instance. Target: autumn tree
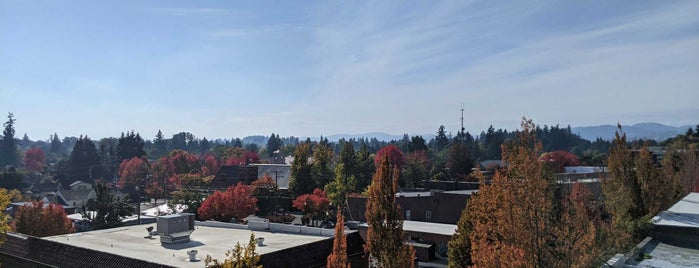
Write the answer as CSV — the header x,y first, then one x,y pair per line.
x,y
154,191
582,234
385,233
210,165
301,181
512,215
235,203
558,160
133,172
34,159
338,255
681,167
312,205
36,219
656,192
237,257
8,145
393,153
236,156
5,199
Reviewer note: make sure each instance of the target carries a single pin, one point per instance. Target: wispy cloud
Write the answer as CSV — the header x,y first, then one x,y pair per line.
x,y
414,66
194,11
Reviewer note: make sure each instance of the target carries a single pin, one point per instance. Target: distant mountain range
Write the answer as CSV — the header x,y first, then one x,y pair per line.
x,y
653,131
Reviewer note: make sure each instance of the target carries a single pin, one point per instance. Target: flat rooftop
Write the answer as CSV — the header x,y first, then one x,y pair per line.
x,y
664,255
681,214
429,227
215,241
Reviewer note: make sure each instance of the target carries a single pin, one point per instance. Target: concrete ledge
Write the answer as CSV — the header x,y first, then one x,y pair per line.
x,y
219,224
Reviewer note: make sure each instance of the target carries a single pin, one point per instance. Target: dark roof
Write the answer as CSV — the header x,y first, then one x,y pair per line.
x,y
311,255
46,187
21,250
81,194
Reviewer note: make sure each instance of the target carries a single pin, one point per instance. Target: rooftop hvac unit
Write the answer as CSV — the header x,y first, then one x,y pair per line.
x,y
175,228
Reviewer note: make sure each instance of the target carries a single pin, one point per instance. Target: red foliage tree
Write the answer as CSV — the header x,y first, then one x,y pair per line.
x,y
558,160
236,202
312,204
210,166
37,220
34,159
154,190
239,157
395,156
168,169
132,172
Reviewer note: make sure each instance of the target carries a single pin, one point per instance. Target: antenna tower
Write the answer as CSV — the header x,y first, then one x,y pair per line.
x,y
461,135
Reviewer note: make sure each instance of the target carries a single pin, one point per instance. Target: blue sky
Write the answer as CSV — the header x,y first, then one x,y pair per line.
x,y
226,69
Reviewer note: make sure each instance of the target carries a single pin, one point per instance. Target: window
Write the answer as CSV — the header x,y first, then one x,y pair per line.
x,y
428,215
407,214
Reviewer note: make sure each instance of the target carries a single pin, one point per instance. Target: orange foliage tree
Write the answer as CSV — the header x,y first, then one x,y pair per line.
x,y
34,159
39,220
385,233
512,216
338,256
312,205
235,203
133,172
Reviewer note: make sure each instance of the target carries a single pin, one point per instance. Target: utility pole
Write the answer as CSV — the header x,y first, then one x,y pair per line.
x,y
461,135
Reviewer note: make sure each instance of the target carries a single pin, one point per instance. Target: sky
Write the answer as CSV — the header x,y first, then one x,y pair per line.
x,y
225,69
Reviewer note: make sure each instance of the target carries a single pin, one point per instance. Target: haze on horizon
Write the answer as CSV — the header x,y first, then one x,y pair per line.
x,y
222,70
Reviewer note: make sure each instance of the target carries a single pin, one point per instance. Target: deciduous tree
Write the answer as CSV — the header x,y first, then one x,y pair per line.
x,y
36,219
237,257
558,160
512,216
385,233
312,205
393,153
235,203
133,172
34,159
338,255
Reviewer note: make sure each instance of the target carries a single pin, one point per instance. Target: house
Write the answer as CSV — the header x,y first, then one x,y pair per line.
x,y
76,198
231,175
280,173
79,185
44,188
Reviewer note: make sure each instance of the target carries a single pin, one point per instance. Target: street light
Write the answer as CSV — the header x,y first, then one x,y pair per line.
x,y
138,204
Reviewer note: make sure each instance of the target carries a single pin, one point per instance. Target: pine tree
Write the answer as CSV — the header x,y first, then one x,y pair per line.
x,y
8,145
338,256
55,144
129,146
385,233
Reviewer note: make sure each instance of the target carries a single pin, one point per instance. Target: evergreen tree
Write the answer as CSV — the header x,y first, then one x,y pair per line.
x,y
274,143
84,162
385,233
130,146
365,168
8,145
441,140
55,144
301,179
459,161
109,208
160,144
